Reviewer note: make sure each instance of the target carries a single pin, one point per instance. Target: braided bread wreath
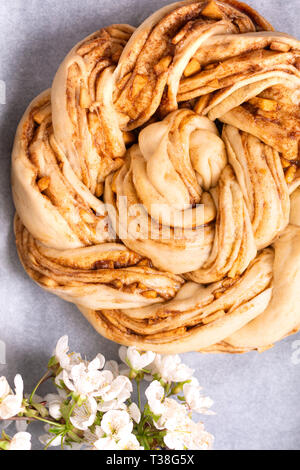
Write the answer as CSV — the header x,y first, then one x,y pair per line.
x,y
197,112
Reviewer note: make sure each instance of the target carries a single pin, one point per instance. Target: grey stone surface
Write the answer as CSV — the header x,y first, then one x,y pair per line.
x,y
256,396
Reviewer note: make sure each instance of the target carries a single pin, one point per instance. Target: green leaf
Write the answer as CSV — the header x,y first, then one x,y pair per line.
x,y
4,445
155,417
52,362
29,413
58,430
98,419
157,377
74,437
147,411
65,410
41,409
5,436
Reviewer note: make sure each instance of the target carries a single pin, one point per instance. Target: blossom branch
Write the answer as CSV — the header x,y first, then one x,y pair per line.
x,y
93,405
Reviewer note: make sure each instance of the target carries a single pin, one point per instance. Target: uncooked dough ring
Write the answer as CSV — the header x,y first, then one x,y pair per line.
x,y
155,184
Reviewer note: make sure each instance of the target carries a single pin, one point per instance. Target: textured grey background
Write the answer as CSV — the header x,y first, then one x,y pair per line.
x,y
256,396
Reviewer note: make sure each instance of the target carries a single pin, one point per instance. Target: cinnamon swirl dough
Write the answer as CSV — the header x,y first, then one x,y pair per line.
x,y
156,182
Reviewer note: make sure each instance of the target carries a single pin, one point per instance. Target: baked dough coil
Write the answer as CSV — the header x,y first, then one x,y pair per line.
x,y
155,184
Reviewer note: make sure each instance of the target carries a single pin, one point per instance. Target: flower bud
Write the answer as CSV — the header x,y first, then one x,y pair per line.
x,y
177,389
132,374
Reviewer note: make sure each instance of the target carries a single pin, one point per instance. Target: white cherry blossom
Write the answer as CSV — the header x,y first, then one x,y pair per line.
x,y
120,388
190,436
86,380
105,406
134,412
84,416
70,360
20,441
182,432
174,415
136,360
155,394
113,367
90,437
171,369
114,398
98,396
130,443
117,424
194,400
98,362
61,351
54,403
106,443
62,355
11,404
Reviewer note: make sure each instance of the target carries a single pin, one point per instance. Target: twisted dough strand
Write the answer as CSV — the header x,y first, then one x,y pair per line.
x,y
156,182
